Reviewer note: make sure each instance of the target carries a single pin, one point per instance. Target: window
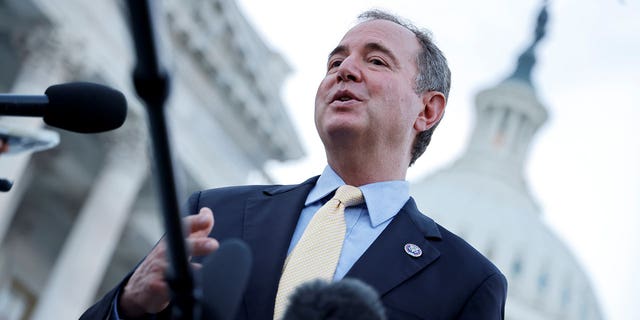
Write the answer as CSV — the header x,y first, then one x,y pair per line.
x,y
543,281
516,267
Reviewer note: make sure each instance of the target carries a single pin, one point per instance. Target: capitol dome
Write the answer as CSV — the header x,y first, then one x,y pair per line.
x,y
484,198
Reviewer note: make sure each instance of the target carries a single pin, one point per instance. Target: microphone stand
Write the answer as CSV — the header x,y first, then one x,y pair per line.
x,y
152,83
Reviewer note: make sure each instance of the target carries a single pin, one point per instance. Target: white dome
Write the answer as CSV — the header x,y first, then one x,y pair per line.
x,y
545,281
483,197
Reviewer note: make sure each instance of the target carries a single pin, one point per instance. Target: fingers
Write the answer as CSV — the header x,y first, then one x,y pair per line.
x,y
147,290
202,246
199,227
196,266
200,224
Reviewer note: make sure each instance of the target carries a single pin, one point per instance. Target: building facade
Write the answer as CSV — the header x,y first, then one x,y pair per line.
x,y
82,214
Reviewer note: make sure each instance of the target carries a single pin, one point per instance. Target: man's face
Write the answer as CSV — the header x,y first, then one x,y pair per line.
x,y
368,92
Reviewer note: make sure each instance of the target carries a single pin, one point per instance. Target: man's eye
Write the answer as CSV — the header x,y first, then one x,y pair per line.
x,y
377,62
335,64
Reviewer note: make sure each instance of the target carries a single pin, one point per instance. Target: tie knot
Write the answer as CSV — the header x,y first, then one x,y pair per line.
x,y
349,195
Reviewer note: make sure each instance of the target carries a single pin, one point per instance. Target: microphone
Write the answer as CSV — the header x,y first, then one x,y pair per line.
x,y
17,139
225,275
14,139
77,106
5,185
349,299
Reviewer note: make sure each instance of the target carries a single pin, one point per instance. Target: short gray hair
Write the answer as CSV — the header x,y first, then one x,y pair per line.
x,y
433,71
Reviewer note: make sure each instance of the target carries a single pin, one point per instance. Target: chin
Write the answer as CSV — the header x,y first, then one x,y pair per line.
x,y
341,124
341,133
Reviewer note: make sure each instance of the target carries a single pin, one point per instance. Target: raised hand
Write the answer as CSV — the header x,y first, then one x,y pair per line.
x,y
147,291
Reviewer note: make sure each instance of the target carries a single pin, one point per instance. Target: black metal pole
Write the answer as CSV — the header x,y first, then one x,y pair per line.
x,y
22,105
152,83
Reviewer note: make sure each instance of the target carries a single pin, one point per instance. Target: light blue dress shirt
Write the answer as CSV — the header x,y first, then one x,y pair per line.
x,y
365,222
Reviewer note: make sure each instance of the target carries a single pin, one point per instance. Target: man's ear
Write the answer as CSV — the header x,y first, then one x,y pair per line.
x,y
433,103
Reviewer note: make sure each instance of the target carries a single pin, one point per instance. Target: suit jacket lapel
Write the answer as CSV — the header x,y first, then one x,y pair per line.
x,y
385,264
269,222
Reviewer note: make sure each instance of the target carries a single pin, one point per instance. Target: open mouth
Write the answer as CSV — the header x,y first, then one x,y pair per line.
x,y
344,95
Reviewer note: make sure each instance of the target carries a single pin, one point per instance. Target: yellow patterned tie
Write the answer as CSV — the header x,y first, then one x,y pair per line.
x,y
317,252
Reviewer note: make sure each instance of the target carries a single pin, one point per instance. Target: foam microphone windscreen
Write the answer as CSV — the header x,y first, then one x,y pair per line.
x,y
224,278
347,299
85,107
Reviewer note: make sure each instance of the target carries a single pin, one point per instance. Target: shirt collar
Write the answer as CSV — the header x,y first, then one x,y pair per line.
x,y
383,199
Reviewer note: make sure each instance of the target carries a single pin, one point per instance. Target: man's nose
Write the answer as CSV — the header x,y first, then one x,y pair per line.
x,y
349,70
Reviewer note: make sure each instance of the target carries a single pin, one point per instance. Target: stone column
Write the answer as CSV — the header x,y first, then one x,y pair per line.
x,y
87,251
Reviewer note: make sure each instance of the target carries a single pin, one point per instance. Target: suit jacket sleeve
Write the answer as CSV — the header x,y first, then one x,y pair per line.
x,y
488,300
104,307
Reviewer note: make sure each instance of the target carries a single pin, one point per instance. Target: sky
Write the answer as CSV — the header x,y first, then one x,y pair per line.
x,y
584,163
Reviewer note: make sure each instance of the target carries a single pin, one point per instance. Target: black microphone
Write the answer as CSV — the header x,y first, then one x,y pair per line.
x,y
224,278
77,106
5,185
347,299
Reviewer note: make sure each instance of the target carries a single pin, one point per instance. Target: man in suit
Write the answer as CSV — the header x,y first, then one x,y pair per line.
x,y
384,92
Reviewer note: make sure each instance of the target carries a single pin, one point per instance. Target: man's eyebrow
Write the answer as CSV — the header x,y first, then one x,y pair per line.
x,y
374,46
371,46
337,50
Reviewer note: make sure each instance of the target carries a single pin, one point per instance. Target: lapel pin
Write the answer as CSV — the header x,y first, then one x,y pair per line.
x,y
412,250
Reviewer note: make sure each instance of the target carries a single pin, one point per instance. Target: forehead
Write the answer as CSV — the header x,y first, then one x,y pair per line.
x,y
398,39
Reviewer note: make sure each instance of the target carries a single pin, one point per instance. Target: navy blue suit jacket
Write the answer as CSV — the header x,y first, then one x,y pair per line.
x,y
450,280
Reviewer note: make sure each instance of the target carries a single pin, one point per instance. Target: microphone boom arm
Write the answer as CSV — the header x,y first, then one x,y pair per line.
x,y
22,105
